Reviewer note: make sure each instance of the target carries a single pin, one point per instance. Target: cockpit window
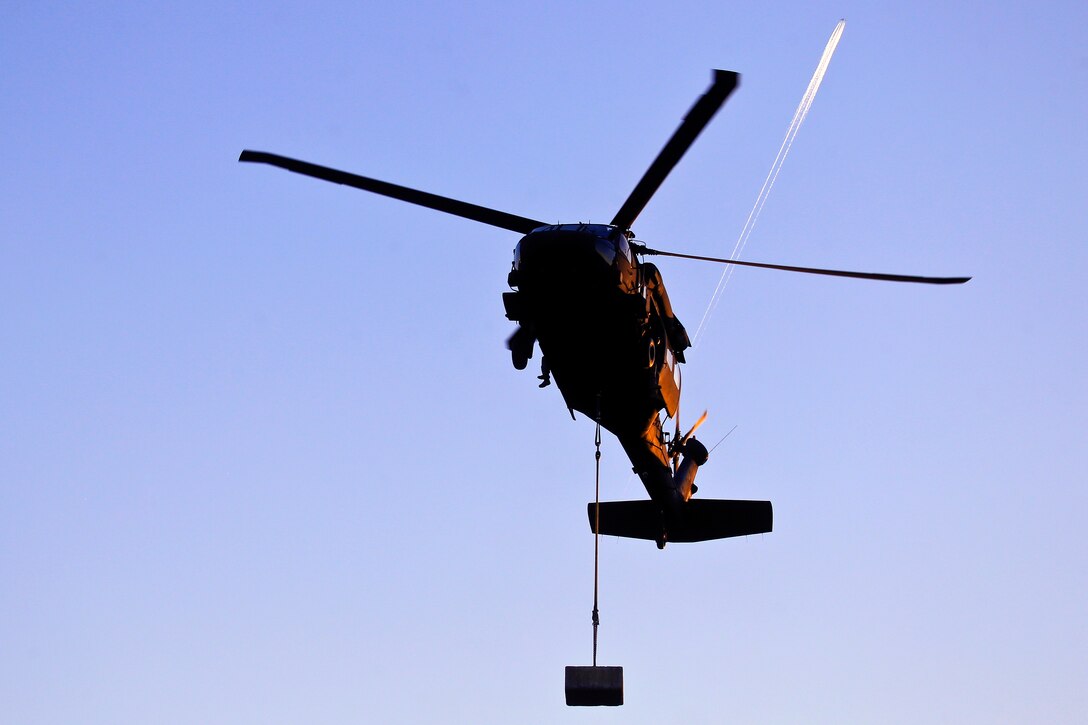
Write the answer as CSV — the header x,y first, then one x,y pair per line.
x,y
597,230
607,249
610,240
623,246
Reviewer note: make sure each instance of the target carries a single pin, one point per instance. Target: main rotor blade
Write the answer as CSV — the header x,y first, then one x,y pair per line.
x,y
432,201
809,270
693,124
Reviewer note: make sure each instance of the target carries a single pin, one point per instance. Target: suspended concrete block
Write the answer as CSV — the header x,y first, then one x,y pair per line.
x,y
594,686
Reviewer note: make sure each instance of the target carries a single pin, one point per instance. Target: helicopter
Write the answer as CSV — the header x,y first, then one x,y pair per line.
x,y
601,317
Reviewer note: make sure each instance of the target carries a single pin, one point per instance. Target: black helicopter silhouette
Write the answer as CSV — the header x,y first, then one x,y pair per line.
x,y
609,336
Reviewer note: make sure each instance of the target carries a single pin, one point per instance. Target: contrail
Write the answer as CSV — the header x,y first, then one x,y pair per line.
x,y
768,183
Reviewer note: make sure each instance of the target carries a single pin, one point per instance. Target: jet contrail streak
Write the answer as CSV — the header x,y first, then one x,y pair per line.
x,y
772,175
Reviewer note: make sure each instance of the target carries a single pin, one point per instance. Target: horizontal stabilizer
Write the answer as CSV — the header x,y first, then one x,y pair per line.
x,y
703,519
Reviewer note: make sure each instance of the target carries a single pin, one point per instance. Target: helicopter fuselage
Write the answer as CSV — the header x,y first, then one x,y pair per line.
x,y
603,323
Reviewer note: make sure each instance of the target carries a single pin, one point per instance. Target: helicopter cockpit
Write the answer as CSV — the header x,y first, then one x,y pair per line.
x,y
557,249
610,240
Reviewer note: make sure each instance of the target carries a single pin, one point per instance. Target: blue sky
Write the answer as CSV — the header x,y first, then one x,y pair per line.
x,y
263,457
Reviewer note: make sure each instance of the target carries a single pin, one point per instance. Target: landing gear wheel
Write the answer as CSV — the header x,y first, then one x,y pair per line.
x,y
520,345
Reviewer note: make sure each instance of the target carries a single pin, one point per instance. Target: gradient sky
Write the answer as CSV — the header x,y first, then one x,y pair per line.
x,y
263,456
